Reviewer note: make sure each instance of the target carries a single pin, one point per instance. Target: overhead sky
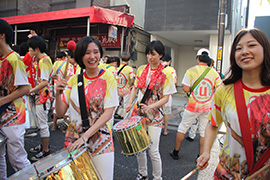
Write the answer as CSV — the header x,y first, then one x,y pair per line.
x,y
258,8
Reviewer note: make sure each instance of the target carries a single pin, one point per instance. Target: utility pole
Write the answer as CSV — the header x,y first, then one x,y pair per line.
x,y
221,30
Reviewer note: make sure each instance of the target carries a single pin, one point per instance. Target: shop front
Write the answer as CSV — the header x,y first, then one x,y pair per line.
x,y
58,27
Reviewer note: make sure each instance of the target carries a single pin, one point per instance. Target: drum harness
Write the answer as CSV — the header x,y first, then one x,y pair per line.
x,y
84,116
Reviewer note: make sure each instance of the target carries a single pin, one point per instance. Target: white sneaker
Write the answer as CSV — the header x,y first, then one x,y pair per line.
x,y
30,135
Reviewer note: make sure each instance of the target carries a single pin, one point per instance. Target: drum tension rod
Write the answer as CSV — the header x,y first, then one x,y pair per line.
x,y
36,171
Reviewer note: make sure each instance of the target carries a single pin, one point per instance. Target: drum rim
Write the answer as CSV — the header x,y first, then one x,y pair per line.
x,y
129,127
66,161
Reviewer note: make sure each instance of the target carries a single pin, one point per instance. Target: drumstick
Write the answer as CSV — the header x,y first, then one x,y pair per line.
x,y
191,173
71,45
127,115
257,173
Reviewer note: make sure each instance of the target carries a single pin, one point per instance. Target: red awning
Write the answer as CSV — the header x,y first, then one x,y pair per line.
x,y
96,14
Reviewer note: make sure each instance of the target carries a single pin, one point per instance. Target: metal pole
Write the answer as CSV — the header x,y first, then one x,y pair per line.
x,y
15,35
122,40
221,30
88,26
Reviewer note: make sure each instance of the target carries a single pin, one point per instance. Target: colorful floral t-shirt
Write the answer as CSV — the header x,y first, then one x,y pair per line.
x,y
201,97
12,75
233,161
44,68
164,86
30,69
173,72
124,78
100,93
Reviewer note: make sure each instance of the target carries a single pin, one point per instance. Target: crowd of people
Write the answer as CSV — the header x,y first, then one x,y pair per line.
x,y
89,91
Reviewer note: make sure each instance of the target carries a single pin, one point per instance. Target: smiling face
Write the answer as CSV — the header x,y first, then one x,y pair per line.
x,y
153,58
91,57
249,53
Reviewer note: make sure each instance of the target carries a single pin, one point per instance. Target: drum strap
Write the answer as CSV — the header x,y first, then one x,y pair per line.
x,y
245,130
84,115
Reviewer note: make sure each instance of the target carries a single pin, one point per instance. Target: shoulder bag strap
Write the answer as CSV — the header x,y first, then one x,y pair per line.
x,y
60,67
121,69
245,129
200,79
81,94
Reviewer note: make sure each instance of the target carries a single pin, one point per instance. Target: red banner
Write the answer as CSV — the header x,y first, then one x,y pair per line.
x,y
104,40
63,40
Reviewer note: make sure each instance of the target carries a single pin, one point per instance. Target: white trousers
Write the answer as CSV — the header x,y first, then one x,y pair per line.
x,y
15,148
189,118
153,151
42,119
104,164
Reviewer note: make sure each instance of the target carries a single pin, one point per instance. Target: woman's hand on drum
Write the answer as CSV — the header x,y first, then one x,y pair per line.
x,y
145,107
77,144
61,85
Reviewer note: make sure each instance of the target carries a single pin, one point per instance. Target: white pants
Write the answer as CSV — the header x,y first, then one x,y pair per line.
x,y
42,119
104,164
15,148
189,118
154,134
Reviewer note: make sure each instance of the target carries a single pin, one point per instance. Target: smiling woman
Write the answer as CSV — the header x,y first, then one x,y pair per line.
x,y
243,104
99,89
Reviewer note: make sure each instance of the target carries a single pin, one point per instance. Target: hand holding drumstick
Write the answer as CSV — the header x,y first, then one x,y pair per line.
x,y
71,45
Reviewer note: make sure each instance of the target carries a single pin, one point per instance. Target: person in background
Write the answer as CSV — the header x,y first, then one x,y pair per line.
x,y
125,82
244,98
160,85
166,62
37,47
13,86
100,88
200,99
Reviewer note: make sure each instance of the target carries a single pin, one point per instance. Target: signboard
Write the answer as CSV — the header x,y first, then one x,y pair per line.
x,y
105,40
63,40
220,52
112,32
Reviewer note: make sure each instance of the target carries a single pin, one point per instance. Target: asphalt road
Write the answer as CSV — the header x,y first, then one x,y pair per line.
x,y
126,167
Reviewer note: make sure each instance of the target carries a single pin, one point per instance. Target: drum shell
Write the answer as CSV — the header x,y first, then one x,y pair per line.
x,y
132,139
62,165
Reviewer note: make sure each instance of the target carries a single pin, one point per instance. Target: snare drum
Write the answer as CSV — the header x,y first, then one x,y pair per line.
x,y
131,136
62,165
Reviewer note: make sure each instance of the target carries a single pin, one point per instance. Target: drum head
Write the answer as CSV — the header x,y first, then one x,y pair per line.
x,y
127,123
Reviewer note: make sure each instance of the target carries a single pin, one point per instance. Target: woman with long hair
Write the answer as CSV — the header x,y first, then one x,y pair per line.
x,y
242,103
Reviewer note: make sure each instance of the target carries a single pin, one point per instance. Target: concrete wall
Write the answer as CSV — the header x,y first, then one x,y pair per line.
x,y
226,50
173,15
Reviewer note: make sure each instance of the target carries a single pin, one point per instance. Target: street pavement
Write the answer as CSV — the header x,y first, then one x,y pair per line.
x,y
126,167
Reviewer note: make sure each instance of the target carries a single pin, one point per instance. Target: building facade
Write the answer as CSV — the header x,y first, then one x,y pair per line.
x,y
183,26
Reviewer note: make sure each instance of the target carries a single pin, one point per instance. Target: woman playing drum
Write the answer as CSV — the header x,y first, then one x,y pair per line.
x,y
100,89
155,84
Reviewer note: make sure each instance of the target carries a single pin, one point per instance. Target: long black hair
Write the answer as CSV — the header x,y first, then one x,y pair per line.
x,y
235,72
